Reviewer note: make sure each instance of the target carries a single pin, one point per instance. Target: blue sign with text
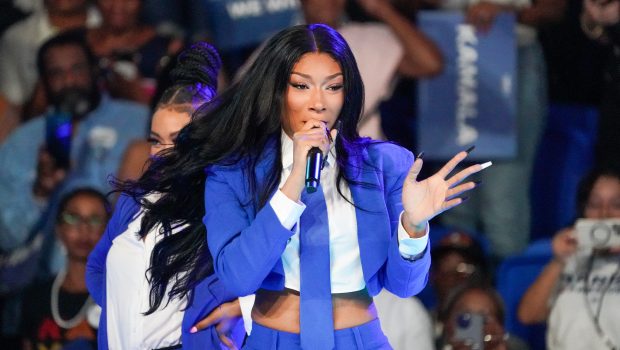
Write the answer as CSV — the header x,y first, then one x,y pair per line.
x,y
473,102
242,23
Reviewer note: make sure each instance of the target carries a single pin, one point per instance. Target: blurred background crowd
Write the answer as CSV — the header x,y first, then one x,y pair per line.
x,y
508,271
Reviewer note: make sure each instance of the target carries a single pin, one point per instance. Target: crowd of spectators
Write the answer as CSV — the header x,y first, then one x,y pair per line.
x,y
100,64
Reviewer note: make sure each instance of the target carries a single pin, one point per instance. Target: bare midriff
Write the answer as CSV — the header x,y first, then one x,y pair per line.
x,y
280,309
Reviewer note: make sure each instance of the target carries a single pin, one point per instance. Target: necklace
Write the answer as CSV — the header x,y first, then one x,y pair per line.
x,y
66,324
594,316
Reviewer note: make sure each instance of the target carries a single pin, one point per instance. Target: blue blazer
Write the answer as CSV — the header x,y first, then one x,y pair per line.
x,y
208,294
247,244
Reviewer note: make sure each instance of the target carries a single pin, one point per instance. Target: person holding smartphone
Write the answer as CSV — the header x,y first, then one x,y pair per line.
x,y
59,311
576,293
473,318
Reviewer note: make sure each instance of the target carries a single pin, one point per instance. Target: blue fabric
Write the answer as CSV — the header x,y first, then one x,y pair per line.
x,y
502,203
247,242
565,155
515,275
19,211
208,294
367,336
316,315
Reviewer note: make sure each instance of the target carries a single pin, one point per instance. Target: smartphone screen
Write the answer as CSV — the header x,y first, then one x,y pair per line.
x,y
58,132
470,330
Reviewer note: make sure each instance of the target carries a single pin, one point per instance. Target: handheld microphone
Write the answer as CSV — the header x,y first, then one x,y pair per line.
x,y
313,169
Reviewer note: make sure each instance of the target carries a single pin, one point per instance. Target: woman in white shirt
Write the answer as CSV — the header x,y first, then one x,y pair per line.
x,y
577,293
154,280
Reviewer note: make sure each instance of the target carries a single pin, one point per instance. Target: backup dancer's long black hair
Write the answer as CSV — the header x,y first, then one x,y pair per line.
x,y
180,259
234,129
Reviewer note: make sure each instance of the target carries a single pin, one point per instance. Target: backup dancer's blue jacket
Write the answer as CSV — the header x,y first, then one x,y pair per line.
x,y
207,295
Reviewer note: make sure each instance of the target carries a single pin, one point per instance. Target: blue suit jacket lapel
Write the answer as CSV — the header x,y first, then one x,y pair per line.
x,y
373,223
261,171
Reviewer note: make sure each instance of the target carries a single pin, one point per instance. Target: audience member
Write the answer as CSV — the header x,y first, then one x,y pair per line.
x,y
130,53
502,207
474,319
59,310
20,43
453,265
102,129
578,292
456,261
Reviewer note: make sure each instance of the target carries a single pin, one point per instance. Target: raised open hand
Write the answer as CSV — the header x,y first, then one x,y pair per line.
x,y
423,200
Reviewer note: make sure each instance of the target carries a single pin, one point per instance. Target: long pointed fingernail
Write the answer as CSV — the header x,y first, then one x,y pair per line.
x,y
470,149
193,330
485,165
421,155
329,135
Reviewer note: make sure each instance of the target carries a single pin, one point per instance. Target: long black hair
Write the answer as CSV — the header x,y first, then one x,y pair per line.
x,y
236,129
181,259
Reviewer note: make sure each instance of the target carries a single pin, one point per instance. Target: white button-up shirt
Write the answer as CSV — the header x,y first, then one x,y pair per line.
x,y
128,295
345,263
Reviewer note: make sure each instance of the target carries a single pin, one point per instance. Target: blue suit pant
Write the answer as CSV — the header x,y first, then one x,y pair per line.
x,y
368,336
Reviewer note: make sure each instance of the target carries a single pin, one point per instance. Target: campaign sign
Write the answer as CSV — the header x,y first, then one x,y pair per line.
x,y
242,23
473,102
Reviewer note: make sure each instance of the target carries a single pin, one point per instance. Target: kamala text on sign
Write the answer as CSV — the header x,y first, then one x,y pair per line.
x,y
472,101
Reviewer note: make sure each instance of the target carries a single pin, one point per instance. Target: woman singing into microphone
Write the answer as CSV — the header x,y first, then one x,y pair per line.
x,y
316,259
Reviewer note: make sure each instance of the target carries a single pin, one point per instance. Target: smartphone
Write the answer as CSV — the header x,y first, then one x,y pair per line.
x,y
597,234
58,133
469,330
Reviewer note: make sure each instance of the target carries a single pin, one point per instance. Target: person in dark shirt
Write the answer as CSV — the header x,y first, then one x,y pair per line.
x,y
59,312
